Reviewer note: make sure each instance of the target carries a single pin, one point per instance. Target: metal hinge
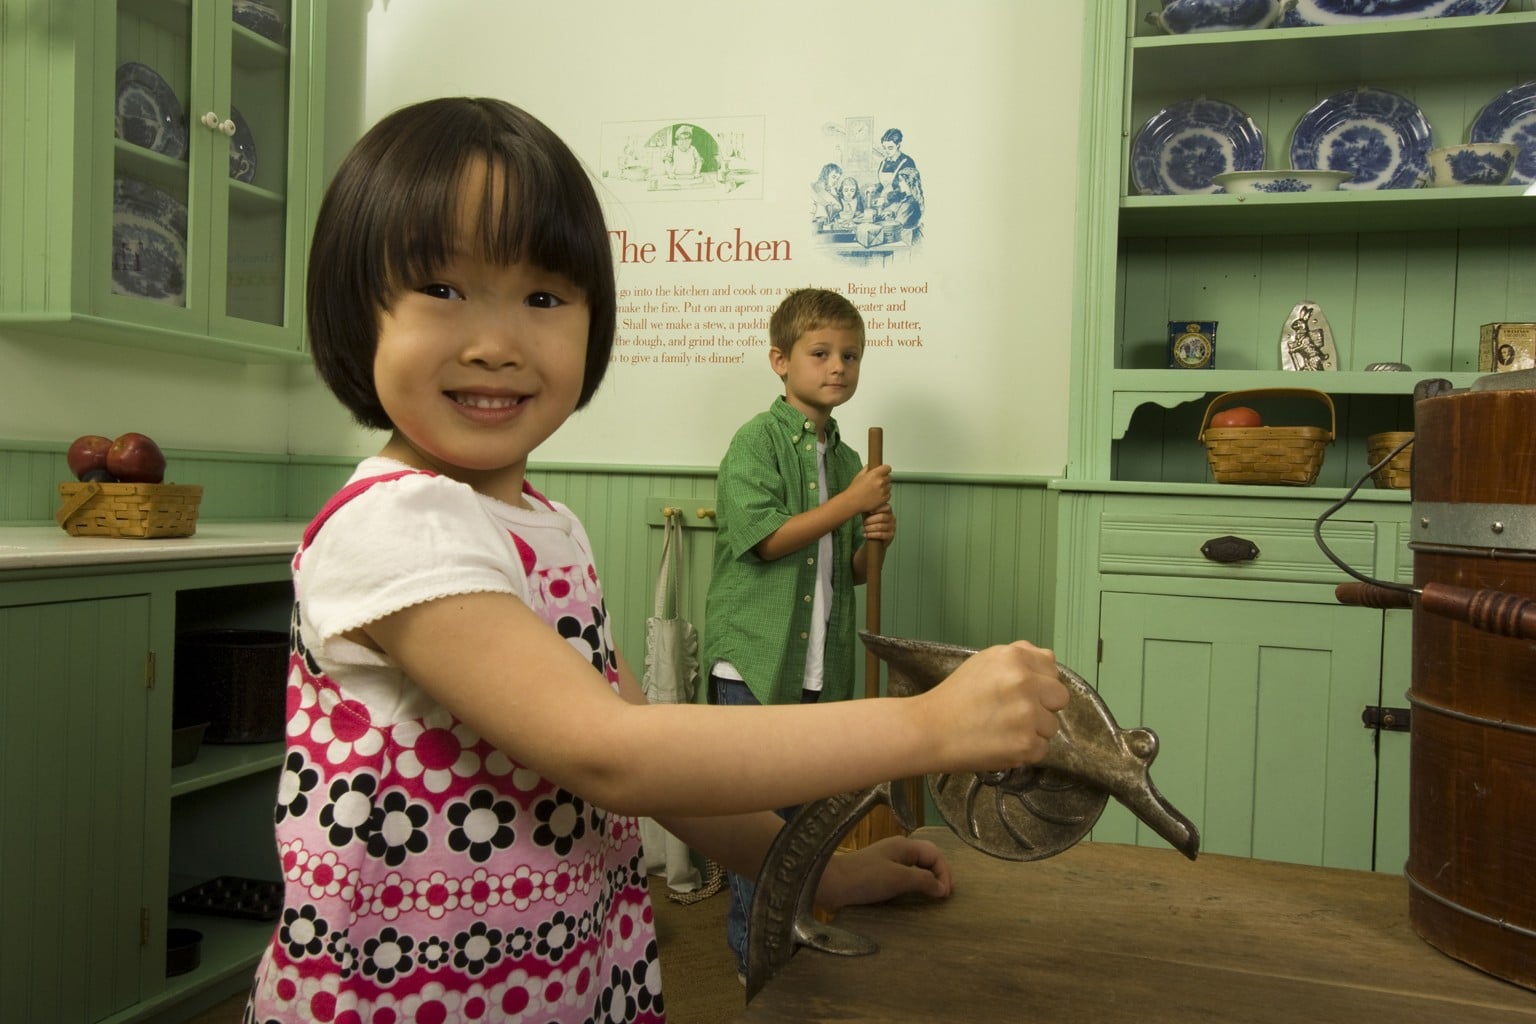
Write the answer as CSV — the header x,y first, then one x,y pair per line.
x,y
149,671
1100,660
143,926
1391,719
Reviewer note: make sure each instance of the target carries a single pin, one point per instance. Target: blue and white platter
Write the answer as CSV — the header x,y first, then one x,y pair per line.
x,y
1381,138
1183,147
1352,12
147,111
262,18
149,242
1511,117
242,148
1184,16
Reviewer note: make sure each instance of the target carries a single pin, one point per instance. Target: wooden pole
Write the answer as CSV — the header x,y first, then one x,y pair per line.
x,y
879,822
875,555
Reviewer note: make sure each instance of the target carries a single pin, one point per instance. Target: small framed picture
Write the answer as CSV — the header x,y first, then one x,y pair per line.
x,y
1191,344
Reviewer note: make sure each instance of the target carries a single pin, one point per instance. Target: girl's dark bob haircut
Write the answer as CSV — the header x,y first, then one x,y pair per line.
x,y
389,217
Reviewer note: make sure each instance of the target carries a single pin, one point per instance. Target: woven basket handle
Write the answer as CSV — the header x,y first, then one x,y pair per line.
x,y
1232,398
72,504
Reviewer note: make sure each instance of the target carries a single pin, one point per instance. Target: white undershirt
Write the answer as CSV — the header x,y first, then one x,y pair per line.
x,y
821,601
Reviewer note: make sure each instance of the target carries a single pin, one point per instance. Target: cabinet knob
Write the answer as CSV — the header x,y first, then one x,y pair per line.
x,y
211,120
1230,549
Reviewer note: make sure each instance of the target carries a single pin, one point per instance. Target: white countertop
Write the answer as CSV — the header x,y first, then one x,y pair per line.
x,y
35,547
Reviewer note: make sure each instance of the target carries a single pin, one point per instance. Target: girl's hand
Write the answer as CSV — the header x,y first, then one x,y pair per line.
x,y
997,710
884,870
880,525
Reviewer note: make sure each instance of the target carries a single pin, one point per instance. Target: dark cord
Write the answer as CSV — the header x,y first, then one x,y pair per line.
x,y
1317,526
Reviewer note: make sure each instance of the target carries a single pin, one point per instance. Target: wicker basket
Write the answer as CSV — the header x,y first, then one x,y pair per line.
x,y
1265,455
128,510
1395,475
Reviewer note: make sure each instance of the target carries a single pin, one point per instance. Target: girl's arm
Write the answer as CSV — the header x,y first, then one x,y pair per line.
x,y
891,867
493,663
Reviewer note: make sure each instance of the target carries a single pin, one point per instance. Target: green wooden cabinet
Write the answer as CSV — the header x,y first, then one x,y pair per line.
x,y
155,182
1406,275
100,830
73,775
1259,718
1254,678
1251,672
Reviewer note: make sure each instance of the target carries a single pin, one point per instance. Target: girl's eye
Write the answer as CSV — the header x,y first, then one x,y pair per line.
x,y
545,300
441,291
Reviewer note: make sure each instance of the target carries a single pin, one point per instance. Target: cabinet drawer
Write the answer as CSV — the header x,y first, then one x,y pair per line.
x,y
1149,544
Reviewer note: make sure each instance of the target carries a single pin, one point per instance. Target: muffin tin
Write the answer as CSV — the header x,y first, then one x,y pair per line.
x,y
231,896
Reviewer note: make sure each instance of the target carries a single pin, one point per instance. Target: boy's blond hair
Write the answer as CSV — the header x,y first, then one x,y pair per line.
x,y
806,309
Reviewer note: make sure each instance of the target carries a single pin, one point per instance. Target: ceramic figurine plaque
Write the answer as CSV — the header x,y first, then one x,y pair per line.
x,y
1306,343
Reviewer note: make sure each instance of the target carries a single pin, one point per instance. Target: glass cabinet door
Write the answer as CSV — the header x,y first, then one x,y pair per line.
x,y
206,194
152,159
254,199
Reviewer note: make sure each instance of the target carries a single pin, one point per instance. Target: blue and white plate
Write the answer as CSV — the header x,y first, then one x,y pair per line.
x,y
1381,138
149,242
1511,117
1181,16
242,148
1351,12
260,17
1181,148
148,113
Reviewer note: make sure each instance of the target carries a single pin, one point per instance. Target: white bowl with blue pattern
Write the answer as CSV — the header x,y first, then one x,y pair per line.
x,y
1472,163
1281,182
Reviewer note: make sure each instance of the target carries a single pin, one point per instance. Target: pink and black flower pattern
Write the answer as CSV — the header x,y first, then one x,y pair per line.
x,y
430,878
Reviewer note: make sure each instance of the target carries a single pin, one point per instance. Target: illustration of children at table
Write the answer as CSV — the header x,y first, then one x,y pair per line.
x,y
868,201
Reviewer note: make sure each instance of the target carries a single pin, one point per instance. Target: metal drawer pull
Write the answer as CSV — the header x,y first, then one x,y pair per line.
x,y
1230,549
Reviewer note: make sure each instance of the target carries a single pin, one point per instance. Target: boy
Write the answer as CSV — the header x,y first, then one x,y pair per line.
x,y
794,508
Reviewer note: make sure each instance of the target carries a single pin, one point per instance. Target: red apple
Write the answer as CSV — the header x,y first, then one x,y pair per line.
x,y
1237,416
136,459
88,452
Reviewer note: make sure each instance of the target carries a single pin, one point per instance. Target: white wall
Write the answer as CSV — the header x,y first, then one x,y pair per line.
x,y
985,92
55,388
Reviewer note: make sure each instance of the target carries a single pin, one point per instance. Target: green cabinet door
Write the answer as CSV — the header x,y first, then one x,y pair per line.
x,y
1257,704
157,171
72,782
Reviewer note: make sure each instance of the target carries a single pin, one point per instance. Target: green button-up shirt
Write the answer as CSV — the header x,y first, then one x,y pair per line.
x,y
758,613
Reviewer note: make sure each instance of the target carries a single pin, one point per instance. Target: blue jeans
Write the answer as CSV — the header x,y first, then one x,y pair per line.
x,y
734,692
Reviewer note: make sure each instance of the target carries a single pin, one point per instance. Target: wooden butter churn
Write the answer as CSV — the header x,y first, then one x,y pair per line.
x,y
1472,832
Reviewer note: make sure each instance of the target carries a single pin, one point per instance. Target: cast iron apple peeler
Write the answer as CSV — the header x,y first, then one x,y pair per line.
x,y
1028,813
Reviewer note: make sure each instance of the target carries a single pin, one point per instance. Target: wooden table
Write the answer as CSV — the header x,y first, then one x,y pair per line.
x,y
1106,933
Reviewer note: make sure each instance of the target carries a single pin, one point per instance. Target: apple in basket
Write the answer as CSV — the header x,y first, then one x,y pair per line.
x,y
88,455
1237,416
136,459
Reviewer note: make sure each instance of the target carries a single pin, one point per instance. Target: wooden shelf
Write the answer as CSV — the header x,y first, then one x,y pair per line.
x,y
1422,50
220,763
1194,383
1353,212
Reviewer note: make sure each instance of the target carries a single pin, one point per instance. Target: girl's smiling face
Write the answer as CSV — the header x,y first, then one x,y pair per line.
x,y
479,363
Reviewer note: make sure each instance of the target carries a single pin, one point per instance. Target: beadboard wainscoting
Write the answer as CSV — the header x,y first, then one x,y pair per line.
x,y
973,562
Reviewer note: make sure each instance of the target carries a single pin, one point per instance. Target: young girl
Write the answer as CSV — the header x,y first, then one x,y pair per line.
x,y
466,749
